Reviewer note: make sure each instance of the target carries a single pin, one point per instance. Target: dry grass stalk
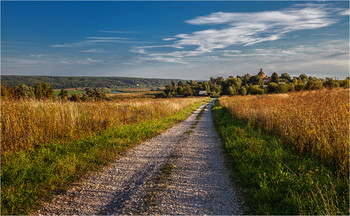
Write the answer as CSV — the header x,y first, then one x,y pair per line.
x,y
29,123
315,122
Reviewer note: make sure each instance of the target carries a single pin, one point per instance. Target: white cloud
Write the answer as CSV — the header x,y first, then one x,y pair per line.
x,y
95,50
23,61
245,29
89,41
345,12
168,39
89,61
256,27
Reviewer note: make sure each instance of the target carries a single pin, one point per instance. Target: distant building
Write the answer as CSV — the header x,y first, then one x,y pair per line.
x,y
264,77
202,93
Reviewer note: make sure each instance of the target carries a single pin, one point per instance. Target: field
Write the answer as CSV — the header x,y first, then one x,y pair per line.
x,y
70,92
47,145
29,123
290,152
313,123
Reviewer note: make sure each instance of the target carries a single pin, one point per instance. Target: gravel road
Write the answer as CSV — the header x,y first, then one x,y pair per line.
x,y
181,171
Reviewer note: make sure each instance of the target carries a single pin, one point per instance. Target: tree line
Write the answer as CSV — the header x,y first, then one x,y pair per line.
x,y
239,85
85,82
253,85
44,91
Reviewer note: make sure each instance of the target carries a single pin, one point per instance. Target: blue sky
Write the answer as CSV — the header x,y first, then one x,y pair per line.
x,y
186,40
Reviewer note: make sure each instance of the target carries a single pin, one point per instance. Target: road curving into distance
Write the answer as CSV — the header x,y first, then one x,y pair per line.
x,y
181,171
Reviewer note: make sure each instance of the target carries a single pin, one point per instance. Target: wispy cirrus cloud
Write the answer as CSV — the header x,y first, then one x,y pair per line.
x,y
345,13
245,29
95,50
89,41
168,39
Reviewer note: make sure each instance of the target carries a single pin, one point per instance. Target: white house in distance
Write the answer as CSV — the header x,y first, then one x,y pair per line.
x,y
202,93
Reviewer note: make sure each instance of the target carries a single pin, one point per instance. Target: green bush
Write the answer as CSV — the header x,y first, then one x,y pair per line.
x,y
255,89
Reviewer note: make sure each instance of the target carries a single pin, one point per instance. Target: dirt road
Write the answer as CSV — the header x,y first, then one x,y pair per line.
x,y
181,171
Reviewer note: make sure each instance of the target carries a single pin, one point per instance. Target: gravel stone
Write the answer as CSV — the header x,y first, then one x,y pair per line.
x,y
198,181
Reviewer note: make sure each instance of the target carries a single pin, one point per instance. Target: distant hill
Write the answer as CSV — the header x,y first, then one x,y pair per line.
x,y
86,82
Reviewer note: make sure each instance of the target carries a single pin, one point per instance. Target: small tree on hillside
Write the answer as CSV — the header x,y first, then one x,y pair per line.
x,y
63,93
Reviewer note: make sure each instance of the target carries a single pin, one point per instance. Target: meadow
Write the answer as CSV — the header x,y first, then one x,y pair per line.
x,y
290,152
29,123
313,122
49,145
69,91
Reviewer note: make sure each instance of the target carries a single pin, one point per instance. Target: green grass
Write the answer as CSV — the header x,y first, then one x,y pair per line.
x,y
274,179
57,92
27,178
199,116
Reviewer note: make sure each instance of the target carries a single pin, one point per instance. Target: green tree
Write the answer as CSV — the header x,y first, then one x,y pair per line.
x,y
75,98
188,90
255,89
275,78
346,83
283,88
43,91
22,91
181,83
173,83
304,78
256,80
180,90
272,87
63,93
207,87
245,79
231,90
286,77
243,91
331,83
313,85
298,84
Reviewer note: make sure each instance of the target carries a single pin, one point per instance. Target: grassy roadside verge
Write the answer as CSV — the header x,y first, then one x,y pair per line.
x,y
27,178
276,180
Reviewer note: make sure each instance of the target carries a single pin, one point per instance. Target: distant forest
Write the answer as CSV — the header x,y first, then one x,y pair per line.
x,y
251,85
56,82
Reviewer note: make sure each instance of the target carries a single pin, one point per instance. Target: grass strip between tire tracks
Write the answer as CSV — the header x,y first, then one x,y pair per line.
x,y
30,177
274,179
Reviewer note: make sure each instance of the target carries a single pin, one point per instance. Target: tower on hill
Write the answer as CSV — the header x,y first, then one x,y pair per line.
x,y
262,74
264,77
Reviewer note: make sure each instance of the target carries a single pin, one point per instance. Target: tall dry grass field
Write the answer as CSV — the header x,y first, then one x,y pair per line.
x,y
28,123
314,122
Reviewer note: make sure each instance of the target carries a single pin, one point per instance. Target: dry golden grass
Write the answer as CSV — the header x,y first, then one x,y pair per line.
x,y
28,123
134,95
313,122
